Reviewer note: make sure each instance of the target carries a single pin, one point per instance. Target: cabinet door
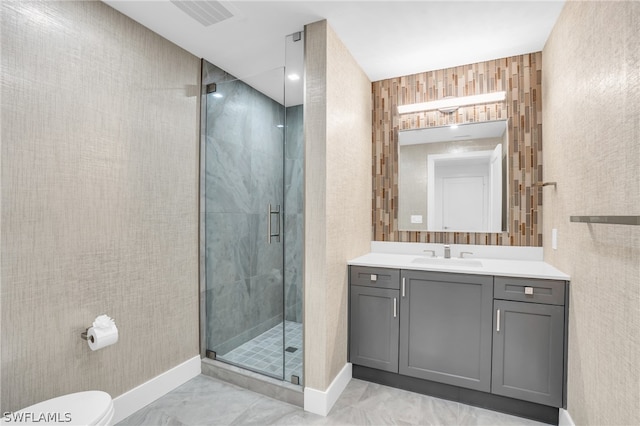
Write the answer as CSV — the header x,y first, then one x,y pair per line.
x,y
528,351
445,333
374,328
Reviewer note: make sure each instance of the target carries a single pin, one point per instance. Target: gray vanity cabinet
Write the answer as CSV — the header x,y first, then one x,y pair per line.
x,y
374,318
528,340
498,342
445,333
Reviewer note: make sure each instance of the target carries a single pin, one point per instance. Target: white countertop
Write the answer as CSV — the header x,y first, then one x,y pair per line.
x,y
498,267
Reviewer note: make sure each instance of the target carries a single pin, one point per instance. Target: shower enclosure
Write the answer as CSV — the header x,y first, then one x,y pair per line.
x,y
252,240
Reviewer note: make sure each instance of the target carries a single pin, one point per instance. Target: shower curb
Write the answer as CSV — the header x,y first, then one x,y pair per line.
x,y
255,382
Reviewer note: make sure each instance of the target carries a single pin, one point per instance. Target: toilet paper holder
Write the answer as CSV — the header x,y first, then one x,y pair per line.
x,y
84,336
103,332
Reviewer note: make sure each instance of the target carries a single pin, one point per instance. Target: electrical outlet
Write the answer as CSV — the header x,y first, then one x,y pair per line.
x,y
416,218
554,239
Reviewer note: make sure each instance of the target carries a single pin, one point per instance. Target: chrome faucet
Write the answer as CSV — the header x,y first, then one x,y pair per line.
x,y
447,251
433,252
462,253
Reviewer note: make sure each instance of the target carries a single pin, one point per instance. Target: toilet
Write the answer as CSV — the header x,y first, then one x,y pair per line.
x,y
93,408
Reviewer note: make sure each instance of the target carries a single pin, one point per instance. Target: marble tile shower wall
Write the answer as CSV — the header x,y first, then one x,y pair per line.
x,y
294,219
521,77
243,174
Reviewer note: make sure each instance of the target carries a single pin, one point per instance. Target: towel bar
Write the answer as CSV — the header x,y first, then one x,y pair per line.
x,y
612,220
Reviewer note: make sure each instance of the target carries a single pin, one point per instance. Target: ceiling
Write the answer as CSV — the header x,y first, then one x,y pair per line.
x,y
386,38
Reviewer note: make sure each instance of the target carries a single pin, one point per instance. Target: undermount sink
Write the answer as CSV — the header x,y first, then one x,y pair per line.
x,y
451,262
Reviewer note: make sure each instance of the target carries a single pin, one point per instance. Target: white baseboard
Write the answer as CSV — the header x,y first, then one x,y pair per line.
x,y
143,395
564,419
321,402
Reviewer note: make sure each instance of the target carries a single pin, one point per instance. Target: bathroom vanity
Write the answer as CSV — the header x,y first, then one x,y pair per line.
x,y
486,332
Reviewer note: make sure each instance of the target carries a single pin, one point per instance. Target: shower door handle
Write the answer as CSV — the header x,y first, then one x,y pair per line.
x,y
271,235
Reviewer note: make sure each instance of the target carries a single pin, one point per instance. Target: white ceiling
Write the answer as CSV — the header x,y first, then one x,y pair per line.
x,y
387,38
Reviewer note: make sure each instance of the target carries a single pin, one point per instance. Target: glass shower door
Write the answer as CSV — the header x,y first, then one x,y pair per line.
x,y
244,201
253,217
294,207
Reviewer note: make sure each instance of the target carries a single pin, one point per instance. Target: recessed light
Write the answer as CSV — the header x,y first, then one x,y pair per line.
x,y
280,126
293,77
217,95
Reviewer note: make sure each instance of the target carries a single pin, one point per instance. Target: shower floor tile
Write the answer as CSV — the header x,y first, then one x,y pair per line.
x,y
264,352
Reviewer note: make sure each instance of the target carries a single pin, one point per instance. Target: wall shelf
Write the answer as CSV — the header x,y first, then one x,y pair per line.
x,y
611,220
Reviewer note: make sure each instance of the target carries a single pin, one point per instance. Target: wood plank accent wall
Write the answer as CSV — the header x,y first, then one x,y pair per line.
x,y
521,77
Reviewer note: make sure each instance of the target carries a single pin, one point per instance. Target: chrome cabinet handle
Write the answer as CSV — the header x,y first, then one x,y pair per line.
x,y
395,307
498,320
403,293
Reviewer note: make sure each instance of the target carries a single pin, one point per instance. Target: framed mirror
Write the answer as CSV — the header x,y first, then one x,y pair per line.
x,y
454,178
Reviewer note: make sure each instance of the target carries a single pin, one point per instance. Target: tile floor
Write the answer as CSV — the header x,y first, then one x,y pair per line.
x,y
207,401
263,353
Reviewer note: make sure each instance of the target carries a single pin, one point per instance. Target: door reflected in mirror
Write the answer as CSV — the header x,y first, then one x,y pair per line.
x,y
453,179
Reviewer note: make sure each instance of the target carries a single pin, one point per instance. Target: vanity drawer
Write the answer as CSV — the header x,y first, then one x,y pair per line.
x,y
374,277
529,290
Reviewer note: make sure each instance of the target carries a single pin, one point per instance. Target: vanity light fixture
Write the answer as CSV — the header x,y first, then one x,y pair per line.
x,y
450,104
453,125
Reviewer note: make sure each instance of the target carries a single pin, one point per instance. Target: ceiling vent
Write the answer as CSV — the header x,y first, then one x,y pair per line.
x,y
205,12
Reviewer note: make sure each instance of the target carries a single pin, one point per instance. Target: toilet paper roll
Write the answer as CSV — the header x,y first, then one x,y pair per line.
x,y
99,338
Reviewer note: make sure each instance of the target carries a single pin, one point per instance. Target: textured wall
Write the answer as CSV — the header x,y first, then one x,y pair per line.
x,y
315,268
99,200
337,123
592,149
521,78
243,174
